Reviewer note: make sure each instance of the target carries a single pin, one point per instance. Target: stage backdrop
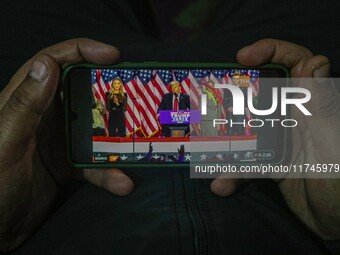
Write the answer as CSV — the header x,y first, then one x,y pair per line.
x,y
145,89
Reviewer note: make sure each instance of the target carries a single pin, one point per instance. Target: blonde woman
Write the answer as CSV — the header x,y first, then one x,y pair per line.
x,y
116,106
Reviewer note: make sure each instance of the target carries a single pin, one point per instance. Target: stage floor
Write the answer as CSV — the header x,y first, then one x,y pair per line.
x,y
170,145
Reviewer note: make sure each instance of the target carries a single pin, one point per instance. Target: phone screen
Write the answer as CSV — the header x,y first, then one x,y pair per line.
x,y
171,115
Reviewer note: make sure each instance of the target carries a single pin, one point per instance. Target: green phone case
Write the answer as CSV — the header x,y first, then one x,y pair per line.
x,y
152,65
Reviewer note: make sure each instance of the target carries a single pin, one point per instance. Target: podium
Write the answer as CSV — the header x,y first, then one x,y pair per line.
x,y
178,131
179,121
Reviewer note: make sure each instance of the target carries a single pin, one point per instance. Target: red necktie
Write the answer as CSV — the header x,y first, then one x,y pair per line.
x,y
176,104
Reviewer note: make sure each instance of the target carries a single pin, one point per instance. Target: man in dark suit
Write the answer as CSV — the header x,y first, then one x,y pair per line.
x,y
174,101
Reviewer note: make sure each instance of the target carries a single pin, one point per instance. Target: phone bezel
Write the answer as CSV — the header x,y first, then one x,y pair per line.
x,y
154,65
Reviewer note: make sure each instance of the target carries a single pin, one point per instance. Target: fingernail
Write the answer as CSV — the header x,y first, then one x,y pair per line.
x,y
322,71
38,71
244,49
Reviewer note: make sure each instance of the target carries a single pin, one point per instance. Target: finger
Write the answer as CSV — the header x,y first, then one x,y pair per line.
x,y
223,186
82,50
315,68
68,52
112,180
324,101
324,124
22,112
324,96
266,51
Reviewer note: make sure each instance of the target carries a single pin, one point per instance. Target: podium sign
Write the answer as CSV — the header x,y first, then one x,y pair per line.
x,y
179,117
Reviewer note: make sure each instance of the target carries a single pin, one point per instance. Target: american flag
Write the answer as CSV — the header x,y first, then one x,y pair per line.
x,y
101,81
133,109
253,84
254,81
100,86
219,76
161,84
147,99
252,74
182,77
198,78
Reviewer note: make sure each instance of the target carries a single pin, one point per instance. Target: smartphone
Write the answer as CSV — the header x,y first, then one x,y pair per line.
x,y
172,114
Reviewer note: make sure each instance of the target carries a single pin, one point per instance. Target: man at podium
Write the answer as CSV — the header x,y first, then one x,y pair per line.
x,y
175,101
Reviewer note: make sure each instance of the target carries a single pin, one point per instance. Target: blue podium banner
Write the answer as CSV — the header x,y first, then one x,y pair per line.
x,y
179,117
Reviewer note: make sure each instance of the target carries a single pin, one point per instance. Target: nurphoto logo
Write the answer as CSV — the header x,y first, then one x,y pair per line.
x,y
238,105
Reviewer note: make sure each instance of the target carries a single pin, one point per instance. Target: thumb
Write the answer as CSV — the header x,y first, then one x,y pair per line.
x,y
324,105
224,186
324,101
112,180
22,112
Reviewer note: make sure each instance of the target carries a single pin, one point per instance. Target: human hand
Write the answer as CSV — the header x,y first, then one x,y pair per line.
x,y
181,150
32,155
315,201
150,147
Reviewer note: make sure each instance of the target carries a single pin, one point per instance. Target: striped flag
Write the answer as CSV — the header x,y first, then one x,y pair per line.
x,y
146,91
197,77
161,84
253,84
100,86
254,81
221,76
133,107
189,86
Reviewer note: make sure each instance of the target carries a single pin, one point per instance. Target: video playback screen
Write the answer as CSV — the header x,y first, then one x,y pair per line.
x,y
179,116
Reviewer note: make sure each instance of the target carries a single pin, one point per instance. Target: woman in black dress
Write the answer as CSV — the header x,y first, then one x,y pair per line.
x,y
116,106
